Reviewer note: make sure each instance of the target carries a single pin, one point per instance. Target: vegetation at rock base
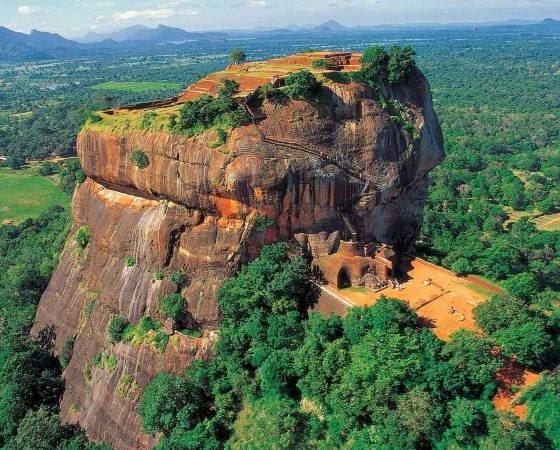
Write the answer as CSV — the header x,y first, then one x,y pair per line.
x,y
30,376
373,379
139,159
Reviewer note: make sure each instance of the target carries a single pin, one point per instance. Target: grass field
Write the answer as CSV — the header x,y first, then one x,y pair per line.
x,y
550,222
136,86
547,222
25,194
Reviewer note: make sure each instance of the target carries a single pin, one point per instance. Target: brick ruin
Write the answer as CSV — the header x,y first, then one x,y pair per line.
x,y
351,262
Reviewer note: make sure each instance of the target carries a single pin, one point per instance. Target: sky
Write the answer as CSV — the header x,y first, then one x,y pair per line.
x,y
76,17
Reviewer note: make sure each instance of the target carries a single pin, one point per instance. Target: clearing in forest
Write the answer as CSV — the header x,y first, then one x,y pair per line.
x,y
24,193
136,86
443,300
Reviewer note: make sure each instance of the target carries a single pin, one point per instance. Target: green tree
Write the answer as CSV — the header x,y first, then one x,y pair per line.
x,y
527,341
269,422
180,279
172,306
401,64
302,85
41,430
471,362
374,62
522,286
500,312
320,64
467,423
237,56
543,405
161,401
507,432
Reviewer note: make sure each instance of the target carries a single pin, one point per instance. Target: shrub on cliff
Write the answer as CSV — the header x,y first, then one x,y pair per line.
x,y
116,327
66,352
302,85
180,279
172,306
82,237
139,159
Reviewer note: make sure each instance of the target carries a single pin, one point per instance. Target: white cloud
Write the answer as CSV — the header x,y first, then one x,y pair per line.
x,y
254,4
27,10
143,14
162,13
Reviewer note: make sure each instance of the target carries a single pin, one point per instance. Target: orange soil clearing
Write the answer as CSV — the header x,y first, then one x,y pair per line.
x,y
254,74
442,299
513,374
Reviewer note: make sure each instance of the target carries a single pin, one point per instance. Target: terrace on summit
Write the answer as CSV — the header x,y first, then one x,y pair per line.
x,y
250,76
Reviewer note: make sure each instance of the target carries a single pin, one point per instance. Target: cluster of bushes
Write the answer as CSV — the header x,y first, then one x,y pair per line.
x,y
206,111
395,65
373,379
519,329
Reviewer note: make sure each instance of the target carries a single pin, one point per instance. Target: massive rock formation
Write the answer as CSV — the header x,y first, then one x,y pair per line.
x,y
200,209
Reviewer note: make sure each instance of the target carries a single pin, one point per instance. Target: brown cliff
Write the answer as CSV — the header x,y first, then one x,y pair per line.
x,y
196,208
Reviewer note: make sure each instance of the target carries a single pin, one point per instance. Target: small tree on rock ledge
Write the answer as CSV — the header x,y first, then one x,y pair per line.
x,y
139,159
237,56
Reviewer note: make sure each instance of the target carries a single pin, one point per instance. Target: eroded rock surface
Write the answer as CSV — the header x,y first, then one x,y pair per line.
x,y
198,209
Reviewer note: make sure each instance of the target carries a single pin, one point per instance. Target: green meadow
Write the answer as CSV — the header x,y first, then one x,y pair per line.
x,y
24,193
136,86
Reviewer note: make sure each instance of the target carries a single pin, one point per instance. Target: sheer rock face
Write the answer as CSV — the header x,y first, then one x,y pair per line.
x,y
196,208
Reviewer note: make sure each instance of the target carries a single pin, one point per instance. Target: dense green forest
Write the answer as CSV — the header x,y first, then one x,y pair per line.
x,y
373,379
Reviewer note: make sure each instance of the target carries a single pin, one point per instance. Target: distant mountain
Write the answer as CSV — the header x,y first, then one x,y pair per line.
x,y
36,45
124,34
331,26
160,35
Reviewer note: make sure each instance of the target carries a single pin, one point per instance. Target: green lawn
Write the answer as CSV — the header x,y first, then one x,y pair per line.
x,y
136,86
25,194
